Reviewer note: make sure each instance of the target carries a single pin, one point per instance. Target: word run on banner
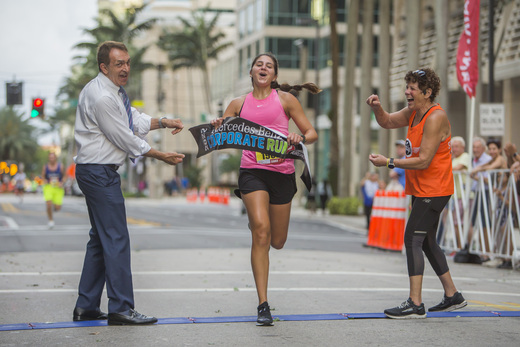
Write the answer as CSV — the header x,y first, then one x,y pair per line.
x,y
240,133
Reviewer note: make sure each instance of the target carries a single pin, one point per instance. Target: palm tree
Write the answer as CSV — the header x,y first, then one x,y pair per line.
x,y
124,29
109,27
17,137
194,45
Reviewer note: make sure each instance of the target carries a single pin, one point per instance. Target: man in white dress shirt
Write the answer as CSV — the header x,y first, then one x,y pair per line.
x,y
108,130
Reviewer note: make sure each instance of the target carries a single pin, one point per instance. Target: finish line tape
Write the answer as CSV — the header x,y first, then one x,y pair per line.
x,y
242,319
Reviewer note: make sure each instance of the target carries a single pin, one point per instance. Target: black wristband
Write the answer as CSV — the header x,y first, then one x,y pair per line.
x,y
304,139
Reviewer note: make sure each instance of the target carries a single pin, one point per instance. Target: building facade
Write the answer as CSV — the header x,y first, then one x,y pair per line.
x,y
420,32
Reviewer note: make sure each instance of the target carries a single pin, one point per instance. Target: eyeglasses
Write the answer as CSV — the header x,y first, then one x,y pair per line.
x,y
421,73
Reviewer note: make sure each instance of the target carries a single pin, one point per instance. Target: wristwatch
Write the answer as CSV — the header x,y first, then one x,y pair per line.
x,y
391,164
161,125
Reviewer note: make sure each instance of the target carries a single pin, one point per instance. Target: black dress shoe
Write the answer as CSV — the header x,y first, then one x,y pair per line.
x,y
130,317
81,314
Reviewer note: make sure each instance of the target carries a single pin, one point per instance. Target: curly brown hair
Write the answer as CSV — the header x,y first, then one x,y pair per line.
x,y
285,87
426,79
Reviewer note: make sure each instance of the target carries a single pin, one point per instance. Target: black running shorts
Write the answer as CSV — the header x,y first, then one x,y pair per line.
x,y
281,187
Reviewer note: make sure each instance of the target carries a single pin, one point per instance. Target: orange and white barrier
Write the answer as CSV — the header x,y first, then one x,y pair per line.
x,y
214,195
192,194
388,219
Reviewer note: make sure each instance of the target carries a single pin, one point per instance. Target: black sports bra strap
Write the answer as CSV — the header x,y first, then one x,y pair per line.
x,y
241,107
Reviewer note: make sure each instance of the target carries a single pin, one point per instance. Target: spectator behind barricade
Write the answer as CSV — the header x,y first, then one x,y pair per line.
x,y
460,158
515,171
325,193
480,158
400,152
369,186
497,161
511,154
460,162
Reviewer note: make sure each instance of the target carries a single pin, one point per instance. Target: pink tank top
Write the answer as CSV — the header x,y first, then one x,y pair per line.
x,y
268,112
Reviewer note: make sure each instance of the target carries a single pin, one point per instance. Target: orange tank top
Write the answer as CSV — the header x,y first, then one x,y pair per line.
x,y
437,179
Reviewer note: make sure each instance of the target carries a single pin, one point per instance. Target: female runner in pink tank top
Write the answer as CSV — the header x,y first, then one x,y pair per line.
x,y
267,185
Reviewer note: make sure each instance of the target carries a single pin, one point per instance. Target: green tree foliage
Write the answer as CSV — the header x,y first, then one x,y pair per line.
x,y
231,163
194,175
109,27
344,206
17,137
194,45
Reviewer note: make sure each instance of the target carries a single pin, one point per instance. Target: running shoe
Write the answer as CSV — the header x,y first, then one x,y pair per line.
x,y
406,310
264,314
449,303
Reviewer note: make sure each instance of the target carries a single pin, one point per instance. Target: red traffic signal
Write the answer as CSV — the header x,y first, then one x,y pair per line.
x,y
37,108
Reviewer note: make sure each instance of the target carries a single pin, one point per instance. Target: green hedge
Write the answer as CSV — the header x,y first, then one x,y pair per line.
x,y
344,206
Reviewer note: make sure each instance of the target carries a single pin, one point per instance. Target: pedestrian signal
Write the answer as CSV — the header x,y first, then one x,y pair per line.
x,y
14,93
37,108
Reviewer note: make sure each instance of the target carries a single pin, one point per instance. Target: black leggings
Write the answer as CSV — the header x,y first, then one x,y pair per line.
x,y
420,234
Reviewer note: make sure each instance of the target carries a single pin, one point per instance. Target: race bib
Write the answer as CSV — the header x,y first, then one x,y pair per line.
x,y
267,159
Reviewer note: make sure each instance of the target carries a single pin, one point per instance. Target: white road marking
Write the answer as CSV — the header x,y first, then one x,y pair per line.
x,y
247,272
60,230
10,222
252,289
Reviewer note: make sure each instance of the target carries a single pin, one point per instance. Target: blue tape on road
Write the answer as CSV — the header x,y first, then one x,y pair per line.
x,y
242,319
469,314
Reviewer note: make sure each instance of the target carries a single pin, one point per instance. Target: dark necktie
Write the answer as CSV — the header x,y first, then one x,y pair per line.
x,y
126,102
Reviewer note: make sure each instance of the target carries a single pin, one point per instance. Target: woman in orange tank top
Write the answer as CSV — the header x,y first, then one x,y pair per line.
x,y
429,180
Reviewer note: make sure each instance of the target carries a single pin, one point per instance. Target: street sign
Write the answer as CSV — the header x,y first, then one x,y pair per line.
x,y
492,119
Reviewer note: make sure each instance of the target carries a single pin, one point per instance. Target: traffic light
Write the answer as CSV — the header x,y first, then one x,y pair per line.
x,y
37,108
14,93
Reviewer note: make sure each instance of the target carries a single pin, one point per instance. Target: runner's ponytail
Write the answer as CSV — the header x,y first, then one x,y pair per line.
x,y
314,89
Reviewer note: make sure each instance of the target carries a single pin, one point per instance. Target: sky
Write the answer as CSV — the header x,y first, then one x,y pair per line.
x,y
36,41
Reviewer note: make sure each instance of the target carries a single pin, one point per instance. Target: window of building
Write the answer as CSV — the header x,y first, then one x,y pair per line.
x,y
242,24
250,22
286,12
259,22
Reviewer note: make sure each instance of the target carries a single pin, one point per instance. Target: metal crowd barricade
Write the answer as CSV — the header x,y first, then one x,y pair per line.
x,y
483,219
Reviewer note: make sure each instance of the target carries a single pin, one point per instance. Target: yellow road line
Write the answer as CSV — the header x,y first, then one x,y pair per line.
x,y
501,307
512,304
131,220
8,207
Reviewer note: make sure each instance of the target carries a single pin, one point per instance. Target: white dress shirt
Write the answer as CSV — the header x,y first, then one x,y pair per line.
x,y
102,133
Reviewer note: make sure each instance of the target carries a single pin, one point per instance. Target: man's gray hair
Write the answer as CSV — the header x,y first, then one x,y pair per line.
x,y
460,140
481,140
